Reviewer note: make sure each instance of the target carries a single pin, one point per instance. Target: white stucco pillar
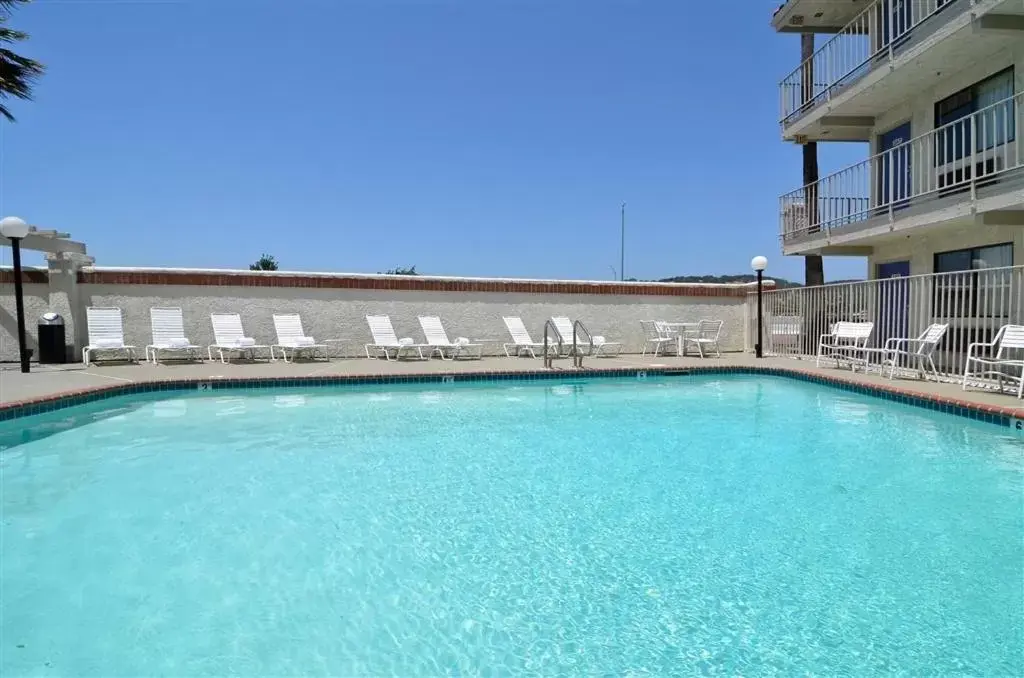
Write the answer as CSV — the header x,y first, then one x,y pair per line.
x,y
64,298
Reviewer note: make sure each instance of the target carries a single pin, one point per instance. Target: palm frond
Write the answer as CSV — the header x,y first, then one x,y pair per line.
x,y
17,73
6,6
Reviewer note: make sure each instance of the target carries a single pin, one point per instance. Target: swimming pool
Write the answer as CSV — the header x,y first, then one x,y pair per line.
x,y
711,524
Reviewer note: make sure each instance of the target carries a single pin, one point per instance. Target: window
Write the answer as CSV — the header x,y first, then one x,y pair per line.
x,y
975,258
976,284
990,104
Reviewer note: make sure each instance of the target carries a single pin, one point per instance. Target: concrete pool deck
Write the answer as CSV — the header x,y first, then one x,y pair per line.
x,y
47,383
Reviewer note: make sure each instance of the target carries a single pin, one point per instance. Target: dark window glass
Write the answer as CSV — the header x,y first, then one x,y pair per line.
x,y
977,284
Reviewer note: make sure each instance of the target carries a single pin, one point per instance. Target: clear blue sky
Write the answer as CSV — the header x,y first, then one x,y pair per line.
x,y
467,137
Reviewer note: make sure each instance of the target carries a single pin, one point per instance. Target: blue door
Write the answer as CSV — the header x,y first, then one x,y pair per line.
x,y
894,167
896,20
893,302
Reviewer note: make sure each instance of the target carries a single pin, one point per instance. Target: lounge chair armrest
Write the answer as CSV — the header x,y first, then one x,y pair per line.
x,y
893,343
979,344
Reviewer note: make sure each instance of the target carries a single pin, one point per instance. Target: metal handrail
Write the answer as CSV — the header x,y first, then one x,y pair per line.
x,y
878,30
548,359
959,154
577,357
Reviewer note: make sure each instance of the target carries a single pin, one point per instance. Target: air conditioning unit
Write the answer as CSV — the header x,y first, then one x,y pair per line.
x,y
794,220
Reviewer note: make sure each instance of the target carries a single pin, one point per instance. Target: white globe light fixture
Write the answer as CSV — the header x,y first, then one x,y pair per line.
x,y
759,263
14,229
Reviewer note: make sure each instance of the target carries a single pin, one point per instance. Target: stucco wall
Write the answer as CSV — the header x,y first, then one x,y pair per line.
x,y
920,111
921,249
37,299
340,313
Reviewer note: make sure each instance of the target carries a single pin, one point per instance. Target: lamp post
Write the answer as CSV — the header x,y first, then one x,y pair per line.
x,y
759,264
14,229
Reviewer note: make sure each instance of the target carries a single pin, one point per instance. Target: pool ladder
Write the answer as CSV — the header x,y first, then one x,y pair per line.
x,y
578,328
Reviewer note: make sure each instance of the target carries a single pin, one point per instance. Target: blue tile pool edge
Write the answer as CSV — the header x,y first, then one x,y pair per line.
x,y
60,401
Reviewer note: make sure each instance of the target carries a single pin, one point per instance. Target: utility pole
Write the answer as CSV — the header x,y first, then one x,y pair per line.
x,y
622,246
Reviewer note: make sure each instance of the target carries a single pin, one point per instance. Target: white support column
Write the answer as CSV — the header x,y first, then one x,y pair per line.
x,y
64,298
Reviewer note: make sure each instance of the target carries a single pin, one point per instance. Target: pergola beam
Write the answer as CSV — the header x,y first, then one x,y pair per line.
x,y
40,242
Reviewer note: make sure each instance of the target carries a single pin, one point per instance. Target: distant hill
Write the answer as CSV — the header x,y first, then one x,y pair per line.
x,y
726,279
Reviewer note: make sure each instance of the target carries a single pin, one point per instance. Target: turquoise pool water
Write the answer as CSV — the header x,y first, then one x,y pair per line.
x,y
702,525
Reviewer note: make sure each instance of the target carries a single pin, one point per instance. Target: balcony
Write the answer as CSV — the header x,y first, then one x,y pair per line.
x,y
977,160
889,34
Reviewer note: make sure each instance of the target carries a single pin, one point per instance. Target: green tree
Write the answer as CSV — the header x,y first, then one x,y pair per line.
x,y
17,73
401,270
264,263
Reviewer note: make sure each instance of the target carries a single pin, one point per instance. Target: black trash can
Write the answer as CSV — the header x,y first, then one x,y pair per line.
x,y
52,349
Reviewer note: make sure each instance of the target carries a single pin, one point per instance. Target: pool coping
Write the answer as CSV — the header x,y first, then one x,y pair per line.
x,y
999,415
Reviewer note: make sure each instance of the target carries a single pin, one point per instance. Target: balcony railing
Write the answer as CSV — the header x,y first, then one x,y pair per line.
x,y
972,153
876,33
975,304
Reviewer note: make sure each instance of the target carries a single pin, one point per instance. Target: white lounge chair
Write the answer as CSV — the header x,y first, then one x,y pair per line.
x,y
168,328
1008,338
437,339
385,340
656,336
521,339
596,346
291,337
917,351
707,334
228,336
106,333
846,341
784,332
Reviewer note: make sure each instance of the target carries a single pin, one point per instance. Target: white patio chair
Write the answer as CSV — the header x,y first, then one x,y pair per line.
x,y
290,336
106,333
1008,338
917,351
596,346
229,337
168,329
656,335
707,334
845,341
521,339
784,332
385,340
437,339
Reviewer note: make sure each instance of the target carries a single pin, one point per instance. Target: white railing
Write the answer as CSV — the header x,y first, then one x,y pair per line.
x,y
975,304
974,152
883,27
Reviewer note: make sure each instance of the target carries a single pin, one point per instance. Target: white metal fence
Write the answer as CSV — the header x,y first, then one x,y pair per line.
x,y
975,152
875,34
975,304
